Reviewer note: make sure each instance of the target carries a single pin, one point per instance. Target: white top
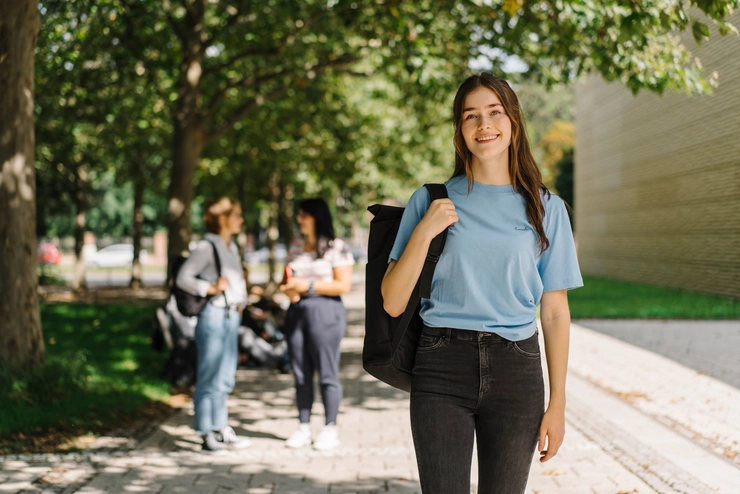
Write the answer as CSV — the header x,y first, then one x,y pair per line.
x,y
306,265
198,272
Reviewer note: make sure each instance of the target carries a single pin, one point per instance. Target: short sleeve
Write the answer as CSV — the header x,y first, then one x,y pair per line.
x,y
558,265
412,215
339,254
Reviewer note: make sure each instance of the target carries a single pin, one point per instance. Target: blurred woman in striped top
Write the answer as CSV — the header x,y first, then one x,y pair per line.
x,y
318,270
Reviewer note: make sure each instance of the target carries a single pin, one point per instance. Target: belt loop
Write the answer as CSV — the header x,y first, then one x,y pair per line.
x,y
448,334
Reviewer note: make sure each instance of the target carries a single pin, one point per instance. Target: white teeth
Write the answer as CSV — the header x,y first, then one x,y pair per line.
x,y
486,138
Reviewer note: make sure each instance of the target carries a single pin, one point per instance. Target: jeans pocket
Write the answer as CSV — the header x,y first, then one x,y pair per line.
x,y
529,347
430,342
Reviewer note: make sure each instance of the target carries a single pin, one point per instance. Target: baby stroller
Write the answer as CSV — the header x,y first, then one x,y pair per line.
x,y
177,332
262,341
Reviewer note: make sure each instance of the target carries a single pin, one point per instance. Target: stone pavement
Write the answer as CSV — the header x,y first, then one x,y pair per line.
x,y
637,423
708,346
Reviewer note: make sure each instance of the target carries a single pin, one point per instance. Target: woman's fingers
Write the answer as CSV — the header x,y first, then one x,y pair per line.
x,y
541,443
549,444
441,214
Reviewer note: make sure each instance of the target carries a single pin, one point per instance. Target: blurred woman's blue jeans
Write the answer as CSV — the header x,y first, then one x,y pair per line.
x,y
216,338
466,384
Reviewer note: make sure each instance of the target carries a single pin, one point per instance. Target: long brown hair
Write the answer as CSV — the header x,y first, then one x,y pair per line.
x,y
525,174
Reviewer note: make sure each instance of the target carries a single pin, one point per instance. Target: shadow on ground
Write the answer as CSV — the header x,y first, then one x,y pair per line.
x,y
197,475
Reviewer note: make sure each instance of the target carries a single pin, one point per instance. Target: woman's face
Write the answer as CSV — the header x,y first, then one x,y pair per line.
x,y
233,221
485,126
306,223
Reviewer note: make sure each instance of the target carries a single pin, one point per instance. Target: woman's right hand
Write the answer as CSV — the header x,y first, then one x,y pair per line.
x,y
221,285
440,215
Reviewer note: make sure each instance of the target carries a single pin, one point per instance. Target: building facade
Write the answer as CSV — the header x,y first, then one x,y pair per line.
x,y
657,179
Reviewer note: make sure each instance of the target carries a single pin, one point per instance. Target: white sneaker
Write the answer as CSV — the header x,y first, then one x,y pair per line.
x,y
300,438
228,437
327,439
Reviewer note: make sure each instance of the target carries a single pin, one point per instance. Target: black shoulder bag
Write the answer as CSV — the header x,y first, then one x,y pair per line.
x,y
192,305
389,348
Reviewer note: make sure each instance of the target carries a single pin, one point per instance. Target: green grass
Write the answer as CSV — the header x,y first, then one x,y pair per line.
x,y
602,298
99,370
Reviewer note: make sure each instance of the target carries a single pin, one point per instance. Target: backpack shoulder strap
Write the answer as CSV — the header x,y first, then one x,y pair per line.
x,y
216,258
423,287
218,266
436,191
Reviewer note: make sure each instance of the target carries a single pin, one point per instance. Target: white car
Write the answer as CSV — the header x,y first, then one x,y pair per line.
x,y
261,256
115,255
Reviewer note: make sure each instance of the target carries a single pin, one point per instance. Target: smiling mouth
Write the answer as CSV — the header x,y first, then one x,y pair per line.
x,y
486,138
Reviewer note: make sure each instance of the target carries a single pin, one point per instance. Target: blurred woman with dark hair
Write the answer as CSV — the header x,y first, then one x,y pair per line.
x,y
318,271
218,324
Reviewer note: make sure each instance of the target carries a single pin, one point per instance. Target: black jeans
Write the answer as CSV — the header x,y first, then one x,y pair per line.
x,y
468,383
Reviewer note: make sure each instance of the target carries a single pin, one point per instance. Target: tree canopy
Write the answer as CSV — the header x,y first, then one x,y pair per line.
x,y
347,99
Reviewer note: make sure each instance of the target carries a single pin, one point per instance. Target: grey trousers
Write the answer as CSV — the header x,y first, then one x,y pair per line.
x,y
314,328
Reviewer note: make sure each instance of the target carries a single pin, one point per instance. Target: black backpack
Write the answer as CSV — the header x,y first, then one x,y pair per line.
x,y
390,342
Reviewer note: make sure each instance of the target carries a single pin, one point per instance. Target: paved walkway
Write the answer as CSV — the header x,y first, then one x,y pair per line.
x,y
637,423
712,347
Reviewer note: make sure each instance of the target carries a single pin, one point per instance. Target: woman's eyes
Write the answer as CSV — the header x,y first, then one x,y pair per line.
x,y
471,116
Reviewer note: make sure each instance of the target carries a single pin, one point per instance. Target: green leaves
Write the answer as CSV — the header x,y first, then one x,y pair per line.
x,y
726,28
700,31
348,98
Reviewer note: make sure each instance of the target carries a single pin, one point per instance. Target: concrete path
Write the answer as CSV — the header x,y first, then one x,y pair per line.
x,y
712,347
637,423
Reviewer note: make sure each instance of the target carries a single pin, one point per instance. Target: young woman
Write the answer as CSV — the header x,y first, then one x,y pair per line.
x,y
509,249
319,270
218,325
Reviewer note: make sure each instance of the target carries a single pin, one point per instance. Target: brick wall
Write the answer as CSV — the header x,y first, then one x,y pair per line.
x,y
657,179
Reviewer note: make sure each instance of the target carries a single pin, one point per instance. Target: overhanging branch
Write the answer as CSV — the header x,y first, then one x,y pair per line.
x,y
239,56
233,19
241,112
340,64
241,83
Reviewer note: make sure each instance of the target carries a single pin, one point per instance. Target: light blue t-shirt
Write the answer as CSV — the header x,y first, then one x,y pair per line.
x,y
491,276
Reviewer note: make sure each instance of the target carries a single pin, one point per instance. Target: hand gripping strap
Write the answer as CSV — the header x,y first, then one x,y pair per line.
x,y
423,287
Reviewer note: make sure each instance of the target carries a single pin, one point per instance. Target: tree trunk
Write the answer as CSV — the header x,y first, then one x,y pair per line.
x,y
241,196
21,339
188,130
273,193
138,226
288,212
81,182
187,150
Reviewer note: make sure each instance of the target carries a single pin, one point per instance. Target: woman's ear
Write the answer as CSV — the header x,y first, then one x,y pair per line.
x,y
222,219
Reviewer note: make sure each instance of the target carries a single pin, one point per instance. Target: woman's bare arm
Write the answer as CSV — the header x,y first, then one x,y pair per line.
x,y
341,284
555,319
